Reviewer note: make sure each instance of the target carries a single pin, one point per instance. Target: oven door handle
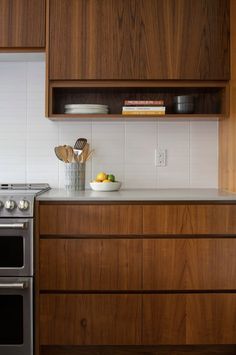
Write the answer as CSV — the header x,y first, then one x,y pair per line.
x,y
13,225
14,285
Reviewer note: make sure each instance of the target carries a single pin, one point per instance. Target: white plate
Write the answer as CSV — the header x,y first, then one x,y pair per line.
x,y
86,112
85,106
105,186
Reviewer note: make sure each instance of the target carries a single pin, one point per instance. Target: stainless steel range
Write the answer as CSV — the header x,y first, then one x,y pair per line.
x,y
17,267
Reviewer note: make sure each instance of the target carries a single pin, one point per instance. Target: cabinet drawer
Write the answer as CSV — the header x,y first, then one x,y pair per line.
x,y
90,219
90,264
189,219
90,319
189,264
193,319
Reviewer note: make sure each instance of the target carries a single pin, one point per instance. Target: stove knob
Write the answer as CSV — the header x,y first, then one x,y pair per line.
x,y
10,205
23,205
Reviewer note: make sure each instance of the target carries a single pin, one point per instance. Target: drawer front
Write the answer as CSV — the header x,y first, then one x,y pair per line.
x,y
189,219
90,264
192,319
90,219
90,319
164,320
189,264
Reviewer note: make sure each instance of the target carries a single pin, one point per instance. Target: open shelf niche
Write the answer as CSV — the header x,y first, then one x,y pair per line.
x,y
210,98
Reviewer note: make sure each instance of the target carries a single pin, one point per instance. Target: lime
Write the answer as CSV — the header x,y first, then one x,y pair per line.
x,y
111,177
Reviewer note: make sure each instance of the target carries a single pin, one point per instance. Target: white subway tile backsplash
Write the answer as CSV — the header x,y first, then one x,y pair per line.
x,y
140,143
204,154
174,137
126,149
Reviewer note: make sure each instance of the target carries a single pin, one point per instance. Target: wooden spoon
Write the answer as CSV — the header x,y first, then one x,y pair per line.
x,y
63,153
57,152
85,153
70,154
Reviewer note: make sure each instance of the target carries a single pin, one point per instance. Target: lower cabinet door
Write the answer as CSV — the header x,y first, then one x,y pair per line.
x,y
193,319
95,319
211,319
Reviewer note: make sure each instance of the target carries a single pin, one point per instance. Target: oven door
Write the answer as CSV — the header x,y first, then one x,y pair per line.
x,y
16,247
16,316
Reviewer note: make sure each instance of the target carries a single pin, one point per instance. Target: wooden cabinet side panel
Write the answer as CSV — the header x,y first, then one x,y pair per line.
x,y
90,319
90,219
92,264
189,219
22,23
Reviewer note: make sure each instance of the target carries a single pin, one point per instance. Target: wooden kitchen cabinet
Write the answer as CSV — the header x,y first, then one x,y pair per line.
x,y
189,219
22,24
189,264
138,40
65,219
136,277
190,319
73,319
90,264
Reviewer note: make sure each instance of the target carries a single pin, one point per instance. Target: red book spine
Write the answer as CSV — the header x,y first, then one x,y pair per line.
x,y
144,102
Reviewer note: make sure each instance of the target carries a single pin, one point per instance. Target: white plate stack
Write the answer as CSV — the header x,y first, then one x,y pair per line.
x,y
86,109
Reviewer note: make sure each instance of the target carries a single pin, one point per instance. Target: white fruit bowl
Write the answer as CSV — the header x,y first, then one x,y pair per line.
x,y
105,186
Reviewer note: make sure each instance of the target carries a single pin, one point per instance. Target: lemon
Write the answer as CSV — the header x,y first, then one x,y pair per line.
x,y
101,176
106,180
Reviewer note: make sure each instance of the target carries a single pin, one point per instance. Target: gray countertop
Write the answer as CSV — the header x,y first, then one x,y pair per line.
x,y
139,195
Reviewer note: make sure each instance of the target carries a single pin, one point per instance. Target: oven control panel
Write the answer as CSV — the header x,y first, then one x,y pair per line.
x,y
16,206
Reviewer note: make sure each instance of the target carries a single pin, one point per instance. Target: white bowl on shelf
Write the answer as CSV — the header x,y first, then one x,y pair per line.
x,y
105,186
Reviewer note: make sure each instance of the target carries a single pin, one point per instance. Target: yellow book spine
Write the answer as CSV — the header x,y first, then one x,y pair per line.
x,y
144,113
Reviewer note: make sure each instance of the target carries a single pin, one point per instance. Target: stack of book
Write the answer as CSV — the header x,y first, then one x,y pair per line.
x,y
143,107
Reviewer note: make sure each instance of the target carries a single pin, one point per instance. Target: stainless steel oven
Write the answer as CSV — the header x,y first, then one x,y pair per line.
x,y
16,267
16,247
16,315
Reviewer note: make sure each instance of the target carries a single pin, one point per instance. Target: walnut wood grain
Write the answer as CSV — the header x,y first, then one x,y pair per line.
x,y
88,219
189,319
189,264
227,128
90,319
22,24
211,319
140,350
164,319
92,264
139,39
189,219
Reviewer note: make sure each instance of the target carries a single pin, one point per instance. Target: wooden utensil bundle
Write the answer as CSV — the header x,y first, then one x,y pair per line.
x,y
67,154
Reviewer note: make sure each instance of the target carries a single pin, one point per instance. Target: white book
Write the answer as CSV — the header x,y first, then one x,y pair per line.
x,y
144,108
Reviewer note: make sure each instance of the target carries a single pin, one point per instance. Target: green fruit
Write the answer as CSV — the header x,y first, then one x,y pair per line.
x,y
111,177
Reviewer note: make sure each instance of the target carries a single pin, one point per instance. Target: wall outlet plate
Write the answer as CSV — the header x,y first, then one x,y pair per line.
x,y
160,157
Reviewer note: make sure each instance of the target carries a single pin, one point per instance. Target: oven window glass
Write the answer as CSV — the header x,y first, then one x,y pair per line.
x,y
11,251
11,319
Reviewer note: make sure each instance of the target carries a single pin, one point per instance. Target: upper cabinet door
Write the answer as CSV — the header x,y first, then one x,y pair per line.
x,y
22,24
139,39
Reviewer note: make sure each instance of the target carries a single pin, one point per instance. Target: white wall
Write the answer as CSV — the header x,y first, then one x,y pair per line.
x,y
27,140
